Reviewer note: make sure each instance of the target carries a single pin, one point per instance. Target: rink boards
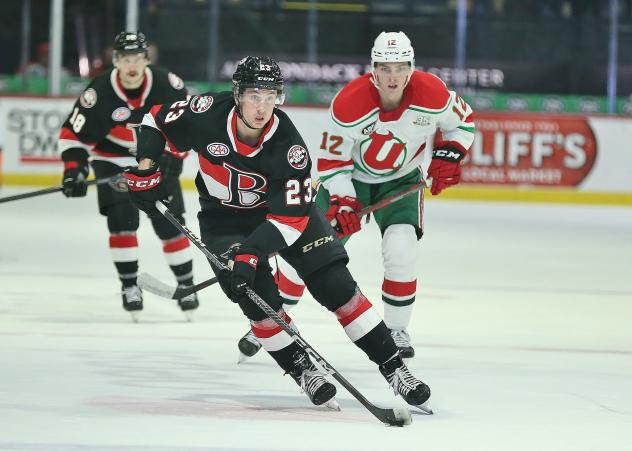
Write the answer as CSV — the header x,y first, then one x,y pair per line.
x,y
515,156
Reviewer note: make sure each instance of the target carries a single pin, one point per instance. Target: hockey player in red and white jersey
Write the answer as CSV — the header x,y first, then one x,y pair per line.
x,y
381,125
256,200
98,133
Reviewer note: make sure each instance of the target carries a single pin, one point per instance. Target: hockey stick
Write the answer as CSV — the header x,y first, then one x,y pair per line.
x,y
395,197
150,283
393,417
55,189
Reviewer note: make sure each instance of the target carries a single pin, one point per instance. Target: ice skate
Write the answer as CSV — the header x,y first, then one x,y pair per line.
x,y
318,389
248,346
402,341
414,391
188,303
132,300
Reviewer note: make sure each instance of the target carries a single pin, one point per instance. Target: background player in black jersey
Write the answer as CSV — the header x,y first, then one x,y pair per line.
x,y
256,198
98,131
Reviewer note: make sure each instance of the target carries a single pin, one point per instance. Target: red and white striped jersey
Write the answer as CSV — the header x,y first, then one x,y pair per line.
x,y
366,143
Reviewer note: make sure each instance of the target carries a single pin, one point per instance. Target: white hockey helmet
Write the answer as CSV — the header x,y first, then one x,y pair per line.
x,y
392,47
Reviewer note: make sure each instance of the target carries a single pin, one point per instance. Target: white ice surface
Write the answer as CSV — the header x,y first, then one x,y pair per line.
x,y
522,327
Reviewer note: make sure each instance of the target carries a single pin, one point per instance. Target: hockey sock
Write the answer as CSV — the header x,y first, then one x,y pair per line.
x,y
277,342
400,280
124,251
365,328
398,300
178,257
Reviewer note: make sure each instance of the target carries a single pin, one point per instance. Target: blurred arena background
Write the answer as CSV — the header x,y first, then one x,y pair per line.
x,y
550,81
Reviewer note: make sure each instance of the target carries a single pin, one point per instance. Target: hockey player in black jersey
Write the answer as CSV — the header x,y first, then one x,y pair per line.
x,y
256,198
97,133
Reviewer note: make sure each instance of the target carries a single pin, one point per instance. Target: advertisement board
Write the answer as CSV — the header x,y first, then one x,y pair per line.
x,y
29,128
519,151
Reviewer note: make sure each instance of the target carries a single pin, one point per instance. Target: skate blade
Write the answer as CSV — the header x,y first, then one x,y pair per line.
x,y
333,405
188,314
135,316
242,358
425,409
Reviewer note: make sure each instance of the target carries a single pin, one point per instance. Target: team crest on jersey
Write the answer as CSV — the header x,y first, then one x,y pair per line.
x,y
175,81
368,129
218,149
199,104
298,157
88,98
382,153
121,114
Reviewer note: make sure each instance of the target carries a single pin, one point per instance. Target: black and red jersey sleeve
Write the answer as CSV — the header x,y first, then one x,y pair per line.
x,y
172,123
86,124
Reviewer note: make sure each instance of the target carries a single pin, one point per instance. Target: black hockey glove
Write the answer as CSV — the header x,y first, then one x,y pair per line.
x,y
145,188
243,262
74,178
170,165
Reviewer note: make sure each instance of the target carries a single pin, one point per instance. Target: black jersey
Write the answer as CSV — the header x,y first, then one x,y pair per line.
x,y
98,123
273,175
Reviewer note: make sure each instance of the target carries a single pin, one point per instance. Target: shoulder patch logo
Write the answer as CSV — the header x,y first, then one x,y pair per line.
x,y
175,81
88,98
298,157
368,129
218,149
199,104
121,114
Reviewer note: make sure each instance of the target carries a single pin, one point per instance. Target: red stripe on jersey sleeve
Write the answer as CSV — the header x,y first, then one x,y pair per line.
x,y
299,223
66,133
178,155
326,165
123,133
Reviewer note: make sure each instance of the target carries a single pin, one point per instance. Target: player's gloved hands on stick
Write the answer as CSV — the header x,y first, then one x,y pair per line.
x,y
243,263
145,188
445,168
74,178
343,214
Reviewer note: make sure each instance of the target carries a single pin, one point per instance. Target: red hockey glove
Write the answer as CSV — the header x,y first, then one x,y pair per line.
x,y
145,188
243,263
445,168
74,178
343,215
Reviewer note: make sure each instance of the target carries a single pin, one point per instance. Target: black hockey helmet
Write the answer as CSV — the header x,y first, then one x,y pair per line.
x,y
130,42
259,72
